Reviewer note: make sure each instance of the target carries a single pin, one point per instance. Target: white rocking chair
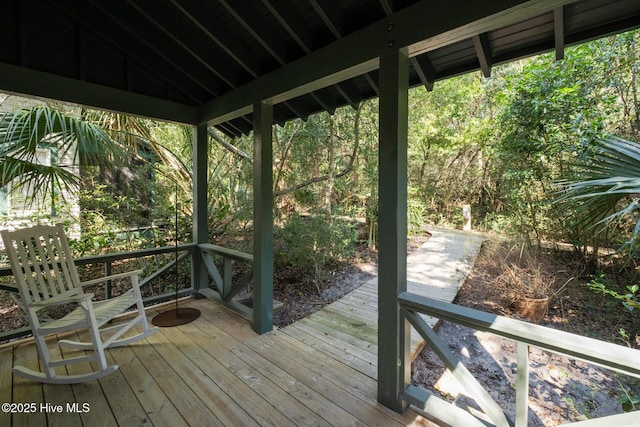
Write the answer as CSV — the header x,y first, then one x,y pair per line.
x,y
46,276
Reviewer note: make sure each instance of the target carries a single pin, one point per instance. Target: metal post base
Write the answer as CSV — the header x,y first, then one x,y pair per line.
x,y
176,317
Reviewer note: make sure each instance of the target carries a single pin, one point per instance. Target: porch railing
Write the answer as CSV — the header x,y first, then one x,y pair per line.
x,y
615,357
185,251
224,288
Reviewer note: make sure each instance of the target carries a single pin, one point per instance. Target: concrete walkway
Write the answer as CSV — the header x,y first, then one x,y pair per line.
x,y
437,270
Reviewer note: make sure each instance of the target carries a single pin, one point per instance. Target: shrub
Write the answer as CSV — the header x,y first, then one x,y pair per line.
x,y
308,245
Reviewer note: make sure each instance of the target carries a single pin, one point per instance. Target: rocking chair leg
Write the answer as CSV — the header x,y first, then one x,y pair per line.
x,y
43,350
110,343
62,379
94,332
140,305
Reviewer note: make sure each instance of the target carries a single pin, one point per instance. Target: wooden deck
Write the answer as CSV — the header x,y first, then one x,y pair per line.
x,y
320,370
216,371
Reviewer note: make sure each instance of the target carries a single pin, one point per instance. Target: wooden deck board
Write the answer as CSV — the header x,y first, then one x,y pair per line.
x,y
177,389
217,371
25,391
6,379
203,379
59,395
157,406
348,388
91,392
283,379
340,350
232,377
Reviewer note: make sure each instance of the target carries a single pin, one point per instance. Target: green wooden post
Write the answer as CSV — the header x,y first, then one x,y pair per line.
x,y
262,218
199,276
393,330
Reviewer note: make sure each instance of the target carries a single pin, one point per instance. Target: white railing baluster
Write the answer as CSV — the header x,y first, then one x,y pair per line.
x,y
522,385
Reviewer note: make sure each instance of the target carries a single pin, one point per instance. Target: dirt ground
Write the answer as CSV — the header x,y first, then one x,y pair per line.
x,y
561,389
300,299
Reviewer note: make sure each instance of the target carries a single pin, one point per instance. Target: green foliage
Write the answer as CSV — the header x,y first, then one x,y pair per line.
x,y
312,243
497,143
24,132
630,397
629,297
550,109
602,196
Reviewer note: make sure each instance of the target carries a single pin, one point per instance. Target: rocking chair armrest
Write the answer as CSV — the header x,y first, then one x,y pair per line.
x,y
111,277
53,301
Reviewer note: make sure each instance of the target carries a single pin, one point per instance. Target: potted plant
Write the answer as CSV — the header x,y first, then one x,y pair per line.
x,y
525,282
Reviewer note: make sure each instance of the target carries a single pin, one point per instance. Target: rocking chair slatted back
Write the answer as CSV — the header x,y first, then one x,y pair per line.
x,y
47,267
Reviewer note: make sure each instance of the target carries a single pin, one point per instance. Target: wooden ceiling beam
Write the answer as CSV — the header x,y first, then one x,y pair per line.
x,y
328,14
558,30
483,52
41,84
197,14
281,10
204,54
349,93
425,70
421,27
386,7
258,31
372,82
163,47
102,27
323,102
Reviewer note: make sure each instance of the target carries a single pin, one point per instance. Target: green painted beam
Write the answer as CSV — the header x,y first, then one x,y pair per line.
x,y
440,410
558,31
199,274
28,82
394,364
421,27
483,51
262,218
226,252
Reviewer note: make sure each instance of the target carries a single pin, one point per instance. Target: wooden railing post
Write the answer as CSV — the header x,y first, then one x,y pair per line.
x,y
611,356
262,218
107,272
199,277
394,366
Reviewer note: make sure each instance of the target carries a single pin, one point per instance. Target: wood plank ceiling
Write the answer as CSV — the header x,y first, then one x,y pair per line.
x,y
175,59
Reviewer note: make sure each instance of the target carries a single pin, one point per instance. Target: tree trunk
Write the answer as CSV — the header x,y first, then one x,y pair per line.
x,y
332,165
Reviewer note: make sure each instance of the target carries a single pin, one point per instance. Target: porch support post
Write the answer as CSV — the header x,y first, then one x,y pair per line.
x,y
393,330
262,218
199,277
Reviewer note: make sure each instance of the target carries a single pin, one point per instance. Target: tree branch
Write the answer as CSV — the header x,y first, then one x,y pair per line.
x,y
235,150
340,174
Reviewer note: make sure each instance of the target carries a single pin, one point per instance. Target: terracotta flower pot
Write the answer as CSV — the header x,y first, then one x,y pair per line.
x,y
532,308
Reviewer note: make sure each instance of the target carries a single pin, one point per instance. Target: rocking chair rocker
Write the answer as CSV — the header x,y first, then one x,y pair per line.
x,y
46,276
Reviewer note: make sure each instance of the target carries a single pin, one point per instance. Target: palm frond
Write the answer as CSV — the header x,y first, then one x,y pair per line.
x,y
23,132
608,186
